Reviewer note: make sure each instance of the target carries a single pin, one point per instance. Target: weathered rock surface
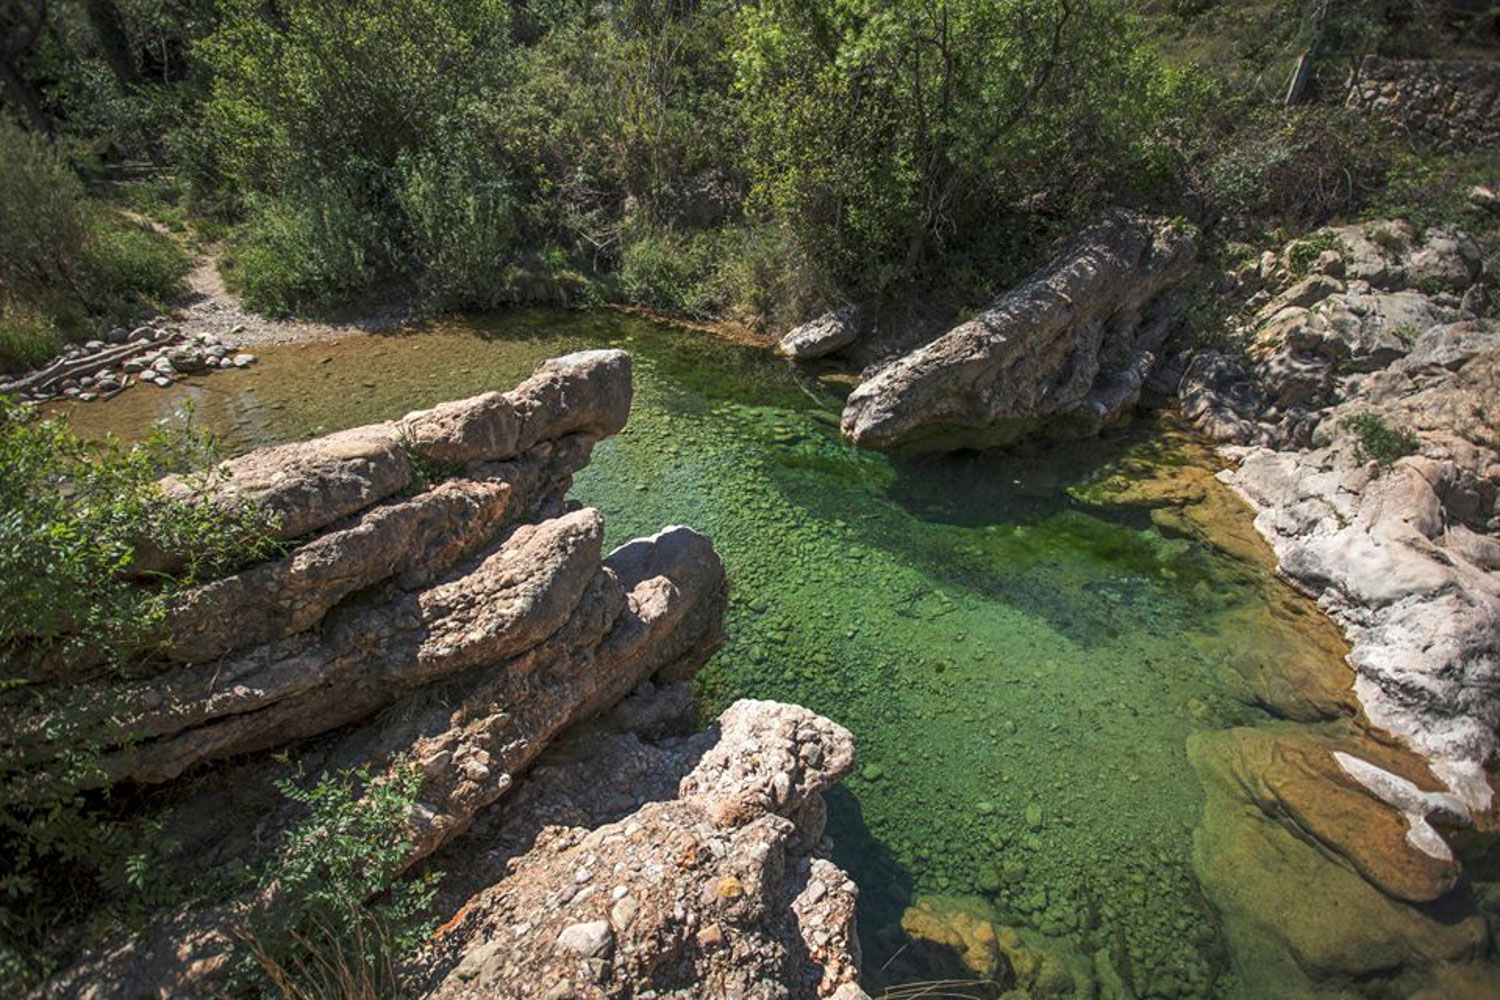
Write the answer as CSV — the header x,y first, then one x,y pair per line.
x,y
1304,891
720,887
1356,413
1068,351
1403,558
830,332
461,626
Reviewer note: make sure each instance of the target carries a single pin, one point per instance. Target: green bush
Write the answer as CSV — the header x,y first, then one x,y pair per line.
x,y
1304,253
342,912
73,517
880,134
45,219
68,264
1377,441
314,250
463,223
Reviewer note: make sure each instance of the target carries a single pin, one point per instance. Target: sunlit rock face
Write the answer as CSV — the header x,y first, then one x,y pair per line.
x,y
1066,353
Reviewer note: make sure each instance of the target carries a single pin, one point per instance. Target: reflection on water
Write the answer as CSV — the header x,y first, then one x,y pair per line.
x,y
1021,670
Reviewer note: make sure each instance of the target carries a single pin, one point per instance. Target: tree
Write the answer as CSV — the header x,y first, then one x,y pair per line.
x,y
882,128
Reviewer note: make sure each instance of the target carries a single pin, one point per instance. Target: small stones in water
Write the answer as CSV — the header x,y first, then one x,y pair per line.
x,y
155,352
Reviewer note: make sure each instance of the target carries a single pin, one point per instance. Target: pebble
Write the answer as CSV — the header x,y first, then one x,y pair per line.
x,y
590,940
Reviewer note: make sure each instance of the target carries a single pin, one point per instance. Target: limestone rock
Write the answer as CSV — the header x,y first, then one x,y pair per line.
x,y
830,332
459,629
1403,558
310,485
1068,351
1300,921
750,909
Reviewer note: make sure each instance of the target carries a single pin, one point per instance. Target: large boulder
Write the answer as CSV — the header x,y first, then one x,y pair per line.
x,y
1067,352
719,888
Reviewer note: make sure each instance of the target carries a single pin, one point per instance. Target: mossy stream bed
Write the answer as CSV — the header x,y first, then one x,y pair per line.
x,y
1021,658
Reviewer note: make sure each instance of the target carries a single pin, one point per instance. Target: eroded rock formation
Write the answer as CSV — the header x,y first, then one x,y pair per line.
x,y
1067,352
1398,547
1357,418
441,605
718,887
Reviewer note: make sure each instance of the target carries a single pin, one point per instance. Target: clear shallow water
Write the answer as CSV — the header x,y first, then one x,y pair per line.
x,y
1021,670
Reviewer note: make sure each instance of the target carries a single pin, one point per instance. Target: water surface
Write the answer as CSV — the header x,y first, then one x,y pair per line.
x,y
1021,669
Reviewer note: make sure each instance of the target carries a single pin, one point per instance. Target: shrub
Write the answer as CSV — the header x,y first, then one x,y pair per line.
x,y
68,264
1301,165
72,517
880,134
342,916
44,217
1377,441
1304,253
311,250
463,223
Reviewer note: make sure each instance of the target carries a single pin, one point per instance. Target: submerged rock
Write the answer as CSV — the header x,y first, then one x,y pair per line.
x,y
1295,879
1068,351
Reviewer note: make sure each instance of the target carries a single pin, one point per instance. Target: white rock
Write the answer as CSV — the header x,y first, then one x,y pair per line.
x,y
590,940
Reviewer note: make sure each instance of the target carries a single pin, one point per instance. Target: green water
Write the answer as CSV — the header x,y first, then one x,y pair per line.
x,y
1021,671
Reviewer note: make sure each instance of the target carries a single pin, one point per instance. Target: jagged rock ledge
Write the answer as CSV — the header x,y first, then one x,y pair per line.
x,y
439,602
1066,353
1357,424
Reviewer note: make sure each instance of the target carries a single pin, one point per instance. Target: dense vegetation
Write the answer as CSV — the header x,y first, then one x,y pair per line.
x,y
84,584
754,159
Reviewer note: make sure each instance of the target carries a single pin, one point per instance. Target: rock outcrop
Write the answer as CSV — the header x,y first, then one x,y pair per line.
x,y
1366,444
1356,416
719,887
442,607
1066,353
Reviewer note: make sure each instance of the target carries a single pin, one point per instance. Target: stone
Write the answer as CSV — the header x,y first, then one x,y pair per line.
x,y
1066,353
830,332
1289,941
488,621
243,360
590,940
791,925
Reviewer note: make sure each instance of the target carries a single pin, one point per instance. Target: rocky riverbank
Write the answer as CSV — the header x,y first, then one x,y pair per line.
x,y
1361,424
441,605
1355,400
1354,405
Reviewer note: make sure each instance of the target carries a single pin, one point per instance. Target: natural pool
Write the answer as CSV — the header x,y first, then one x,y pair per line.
x,y
1021,668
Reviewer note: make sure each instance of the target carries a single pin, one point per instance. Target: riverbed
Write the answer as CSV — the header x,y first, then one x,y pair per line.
x,y
1021,643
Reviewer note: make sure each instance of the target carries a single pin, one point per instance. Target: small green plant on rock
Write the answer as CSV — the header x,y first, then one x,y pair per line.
x,y
1377,441
1304,253
341,916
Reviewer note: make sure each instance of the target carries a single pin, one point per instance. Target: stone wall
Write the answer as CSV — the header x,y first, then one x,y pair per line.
x,y
1455,102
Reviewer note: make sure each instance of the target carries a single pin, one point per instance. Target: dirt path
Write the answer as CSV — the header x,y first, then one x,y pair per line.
x,y
210,307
